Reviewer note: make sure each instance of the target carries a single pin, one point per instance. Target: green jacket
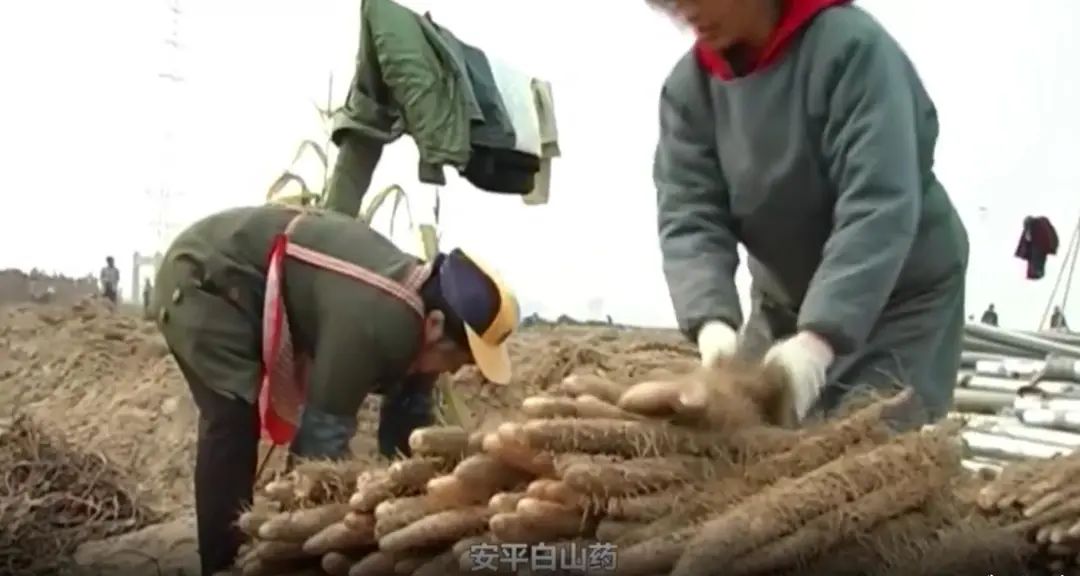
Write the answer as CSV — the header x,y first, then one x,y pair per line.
x,y
407,81
209,303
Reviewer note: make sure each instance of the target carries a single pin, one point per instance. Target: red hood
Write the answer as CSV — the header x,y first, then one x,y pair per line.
x,y
797,14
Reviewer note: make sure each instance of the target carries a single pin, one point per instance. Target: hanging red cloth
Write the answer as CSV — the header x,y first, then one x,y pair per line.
x,y
1038,241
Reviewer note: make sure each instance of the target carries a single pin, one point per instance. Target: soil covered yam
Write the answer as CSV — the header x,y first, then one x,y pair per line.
x,y
318,482
829,441
443,564
414,473
648,507
511,527
300,525
371,489
787,505
338,537
610,530
280,490
548,407
589,385
449,442
443,528
360,522
375,564
274,550
450,491
972,547
393,515
552,519
408,565
517,454
722,399
250,521
261,567
841,524
487,473
656,555
608,479
505,501
336,564
620,437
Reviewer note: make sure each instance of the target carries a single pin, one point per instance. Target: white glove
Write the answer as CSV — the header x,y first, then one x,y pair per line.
x,y
716,342
805,357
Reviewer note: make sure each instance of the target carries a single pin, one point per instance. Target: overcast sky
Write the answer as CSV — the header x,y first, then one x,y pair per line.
x,y
83,116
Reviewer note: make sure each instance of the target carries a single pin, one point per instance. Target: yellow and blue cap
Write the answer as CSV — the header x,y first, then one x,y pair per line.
x,y
488,309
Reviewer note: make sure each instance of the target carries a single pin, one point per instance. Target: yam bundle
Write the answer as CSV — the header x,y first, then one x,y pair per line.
x,y
671,477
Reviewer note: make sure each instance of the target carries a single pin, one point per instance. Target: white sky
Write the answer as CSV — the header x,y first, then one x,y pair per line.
x,y
82,118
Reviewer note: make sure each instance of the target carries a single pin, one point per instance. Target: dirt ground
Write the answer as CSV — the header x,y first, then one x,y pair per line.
x,y
103,381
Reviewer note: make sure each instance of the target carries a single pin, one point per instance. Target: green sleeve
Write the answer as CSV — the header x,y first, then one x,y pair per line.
x,y
346,366
698,246
872,156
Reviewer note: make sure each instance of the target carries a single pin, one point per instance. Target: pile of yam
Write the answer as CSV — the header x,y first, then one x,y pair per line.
x,y
682,476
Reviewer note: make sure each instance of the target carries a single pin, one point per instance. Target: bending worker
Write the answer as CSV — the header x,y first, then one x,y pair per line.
x,y
800,129
282,321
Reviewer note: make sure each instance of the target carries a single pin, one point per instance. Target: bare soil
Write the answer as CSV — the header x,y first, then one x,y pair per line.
x,y
102,380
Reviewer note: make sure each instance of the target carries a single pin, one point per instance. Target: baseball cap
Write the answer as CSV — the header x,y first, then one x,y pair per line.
x,y
488,309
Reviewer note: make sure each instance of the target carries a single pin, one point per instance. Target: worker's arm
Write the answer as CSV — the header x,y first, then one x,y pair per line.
x,y
872,154
364,338
696,240
358,154
343,371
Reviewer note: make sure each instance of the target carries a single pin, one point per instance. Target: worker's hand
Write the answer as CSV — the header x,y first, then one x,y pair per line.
x,y
805,358
716,342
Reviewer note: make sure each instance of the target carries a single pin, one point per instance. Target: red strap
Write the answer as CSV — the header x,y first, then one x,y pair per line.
x,y
284,383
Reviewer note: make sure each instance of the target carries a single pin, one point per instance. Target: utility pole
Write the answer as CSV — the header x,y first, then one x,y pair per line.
x,y
162,194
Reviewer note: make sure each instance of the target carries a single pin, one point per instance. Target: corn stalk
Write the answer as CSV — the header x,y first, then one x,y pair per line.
x,y
307,196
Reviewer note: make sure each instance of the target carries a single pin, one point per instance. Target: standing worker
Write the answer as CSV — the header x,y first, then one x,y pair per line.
x,y
110,280
989,316
283,321
800,129
1057,320
147,297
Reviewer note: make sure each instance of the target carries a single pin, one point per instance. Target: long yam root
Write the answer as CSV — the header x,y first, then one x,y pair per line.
x,y
338,537
620,437
837,525
632,477
414,473
300,525
517,454
375,564
779,509
588,385
450,442
371,489
443,528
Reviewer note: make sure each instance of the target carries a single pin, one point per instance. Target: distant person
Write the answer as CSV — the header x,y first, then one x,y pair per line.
x,y
1057,320
147,296
990,316
110,280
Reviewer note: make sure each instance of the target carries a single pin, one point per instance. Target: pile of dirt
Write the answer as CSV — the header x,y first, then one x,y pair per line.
x,y
53,498
17,286
104,380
